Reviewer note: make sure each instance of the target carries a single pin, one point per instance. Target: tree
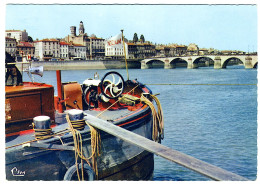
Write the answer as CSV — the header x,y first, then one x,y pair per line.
x,y
30,39
142,38
135,39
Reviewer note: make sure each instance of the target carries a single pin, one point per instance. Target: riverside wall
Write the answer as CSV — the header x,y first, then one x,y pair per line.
x,y
86,64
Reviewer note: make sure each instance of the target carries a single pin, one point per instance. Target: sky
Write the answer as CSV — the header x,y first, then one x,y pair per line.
x,y
223,27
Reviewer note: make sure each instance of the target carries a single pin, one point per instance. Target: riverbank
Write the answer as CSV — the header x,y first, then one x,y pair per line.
x,y
85,64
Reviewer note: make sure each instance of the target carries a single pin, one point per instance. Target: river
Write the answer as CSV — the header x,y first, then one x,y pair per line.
x,y
214,123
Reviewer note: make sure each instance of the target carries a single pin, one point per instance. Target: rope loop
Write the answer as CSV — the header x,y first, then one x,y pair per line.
x,y
41,134
78,144
158,122
78,124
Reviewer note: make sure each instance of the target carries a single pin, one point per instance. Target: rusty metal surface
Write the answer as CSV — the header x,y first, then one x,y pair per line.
x,y
23,103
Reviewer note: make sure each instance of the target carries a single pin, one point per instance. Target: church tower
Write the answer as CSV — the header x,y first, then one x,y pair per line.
x,y
81,28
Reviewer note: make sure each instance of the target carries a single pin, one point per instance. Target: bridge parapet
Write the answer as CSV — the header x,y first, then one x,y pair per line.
x,y
220,61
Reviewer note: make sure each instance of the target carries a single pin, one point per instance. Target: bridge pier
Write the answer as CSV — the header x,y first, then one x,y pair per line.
x,y
248,62
167,64
191,65
217,63
145,65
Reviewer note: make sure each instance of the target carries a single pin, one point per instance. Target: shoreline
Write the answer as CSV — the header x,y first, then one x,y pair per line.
x,y
83,65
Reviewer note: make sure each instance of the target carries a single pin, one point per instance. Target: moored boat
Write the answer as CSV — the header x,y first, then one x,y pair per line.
x,y
60,142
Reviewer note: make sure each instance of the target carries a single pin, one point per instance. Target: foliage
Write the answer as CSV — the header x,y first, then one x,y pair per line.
x,y
135,39
142,38
30,39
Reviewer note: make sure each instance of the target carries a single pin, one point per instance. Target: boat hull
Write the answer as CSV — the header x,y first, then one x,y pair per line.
x,y
119,160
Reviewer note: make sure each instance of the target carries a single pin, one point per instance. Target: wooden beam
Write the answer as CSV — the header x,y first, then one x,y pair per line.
x,y
182,159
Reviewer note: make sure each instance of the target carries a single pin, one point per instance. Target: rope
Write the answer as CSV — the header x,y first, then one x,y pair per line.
x,y
61,133
116,101
95,148
78,124
41,134
158,124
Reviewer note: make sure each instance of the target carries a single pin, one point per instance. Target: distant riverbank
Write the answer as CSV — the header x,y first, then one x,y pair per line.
x,y
85,64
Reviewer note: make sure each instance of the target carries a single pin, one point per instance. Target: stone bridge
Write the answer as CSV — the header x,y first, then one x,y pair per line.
x,y
219,61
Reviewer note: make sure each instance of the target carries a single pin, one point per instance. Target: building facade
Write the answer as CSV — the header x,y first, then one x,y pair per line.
x,y
17,34
47,49
114,48
64,50
95,47
10,46
25,49
141,50
193,49
80,52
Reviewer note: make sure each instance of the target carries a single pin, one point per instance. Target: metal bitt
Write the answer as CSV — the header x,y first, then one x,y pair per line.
x,y
42,122
42,127
76,117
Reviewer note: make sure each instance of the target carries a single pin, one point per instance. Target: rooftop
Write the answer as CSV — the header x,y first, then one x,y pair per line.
x,y
64,43
15,30
25,44
8,38
48,40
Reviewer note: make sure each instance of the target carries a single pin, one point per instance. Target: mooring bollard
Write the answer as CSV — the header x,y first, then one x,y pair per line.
x,y
42,122
42,127
76,117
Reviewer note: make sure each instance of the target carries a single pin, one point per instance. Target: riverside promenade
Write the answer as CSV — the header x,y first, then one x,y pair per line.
x,y
219,62
85,64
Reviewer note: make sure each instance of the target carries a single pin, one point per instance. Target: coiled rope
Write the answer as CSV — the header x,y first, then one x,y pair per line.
x,y
95,148
78,124
158,122
41,134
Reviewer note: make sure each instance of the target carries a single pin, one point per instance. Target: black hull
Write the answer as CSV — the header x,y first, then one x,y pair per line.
x,y
119,160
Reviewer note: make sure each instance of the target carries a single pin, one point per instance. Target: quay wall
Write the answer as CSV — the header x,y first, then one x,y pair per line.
x,y
85,64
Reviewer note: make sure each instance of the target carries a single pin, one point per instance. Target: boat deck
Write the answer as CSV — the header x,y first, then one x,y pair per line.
x,y
107,115
111,116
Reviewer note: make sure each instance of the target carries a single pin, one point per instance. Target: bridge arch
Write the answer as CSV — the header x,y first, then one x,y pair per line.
x,y
203,61
178,62
232,60
155,63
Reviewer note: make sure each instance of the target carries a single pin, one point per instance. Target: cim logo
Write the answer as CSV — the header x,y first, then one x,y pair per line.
x,y
17,172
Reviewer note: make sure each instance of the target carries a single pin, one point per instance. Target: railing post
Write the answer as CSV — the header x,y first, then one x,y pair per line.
x,y
58,75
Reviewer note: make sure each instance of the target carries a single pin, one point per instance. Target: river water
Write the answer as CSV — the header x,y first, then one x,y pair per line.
x,y
213,123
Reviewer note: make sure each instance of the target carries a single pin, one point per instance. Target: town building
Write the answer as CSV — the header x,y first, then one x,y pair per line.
x,y
64,50
47,49
171,50
116,52
115,49
181,50
203,51
25,49
10,45
192,49
80,52
141,50
95,47
17,34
